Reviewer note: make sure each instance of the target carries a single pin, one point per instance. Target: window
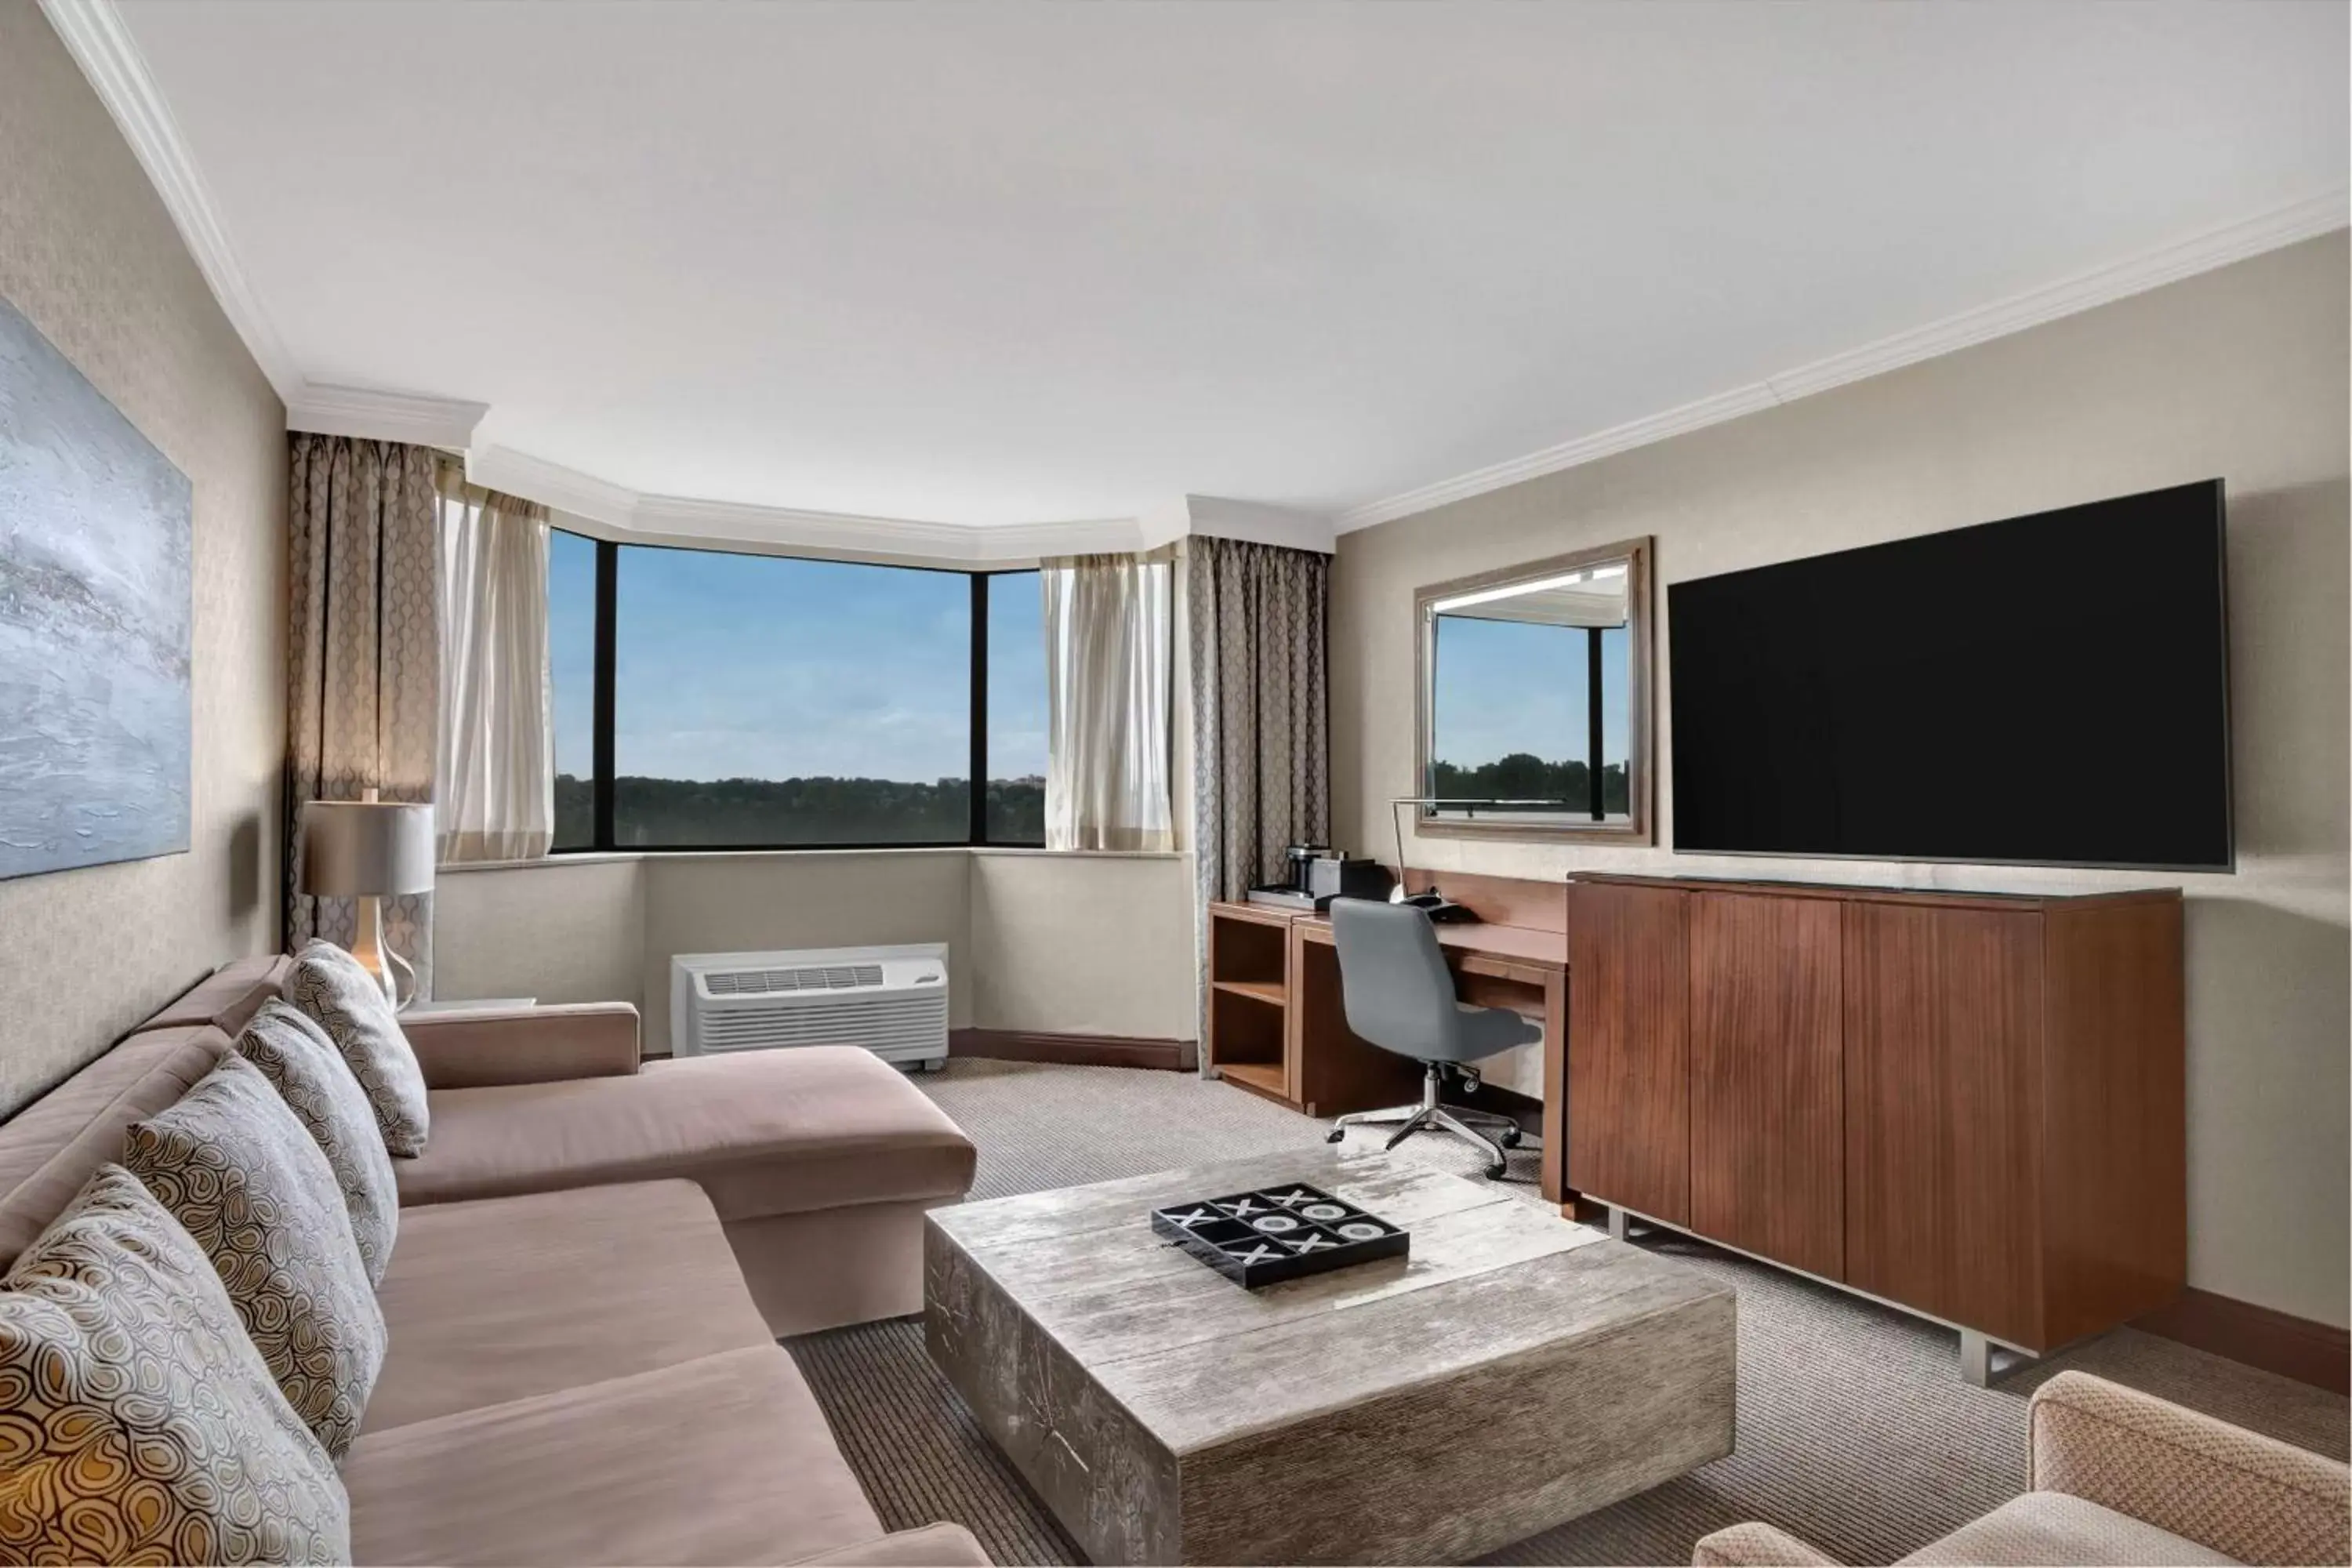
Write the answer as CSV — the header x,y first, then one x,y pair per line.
x,y
709,700
1016,708
571,674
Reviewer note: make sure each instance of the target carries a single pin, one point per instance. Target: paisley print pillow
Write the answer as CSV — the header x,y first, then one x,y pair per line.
x,y
137,1423
328,984
236,1168
295,1055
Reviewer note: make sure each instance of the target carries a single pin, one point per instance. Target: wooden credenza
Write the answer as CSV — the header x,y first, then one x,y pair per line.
x,y
1969,1105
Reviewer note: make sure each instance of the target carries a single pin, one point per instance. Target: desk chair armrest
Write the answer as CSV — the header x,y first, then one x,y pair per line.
x,y
2243,1495
1756,1546
477,1047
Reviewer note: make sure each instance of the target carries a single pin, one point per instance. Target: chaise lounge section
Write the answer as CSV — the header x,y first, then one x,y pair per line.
x,y
824,1152
581,1363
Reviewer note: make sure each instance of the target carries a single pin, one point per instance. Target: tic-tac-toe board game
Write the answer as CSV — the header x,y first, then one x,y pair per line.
x,y
1279,1233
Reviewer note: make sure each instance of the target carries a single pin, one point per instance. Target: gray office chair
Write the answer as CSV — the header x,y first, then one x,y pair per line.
x,y
1398,995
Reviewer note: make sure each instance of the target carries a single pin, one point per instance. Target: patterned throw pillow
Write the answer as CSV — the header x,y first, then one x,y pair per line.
x,y
328,984
238,1169
295,1055
137,1423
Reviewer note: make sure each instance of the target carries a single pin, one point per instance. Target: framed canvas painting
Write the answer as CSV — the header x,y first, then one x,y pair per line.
x,y
95,616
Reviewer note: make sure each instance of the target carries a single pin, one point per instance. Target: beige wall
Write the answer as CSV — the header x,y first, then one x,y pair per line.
x,y
1064,944
2240,373
569,931
89,255
1083,944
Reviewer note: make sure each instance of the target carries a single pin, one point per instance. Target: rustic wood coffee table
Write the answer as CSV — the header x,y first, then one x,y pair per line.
x,y
1515,1371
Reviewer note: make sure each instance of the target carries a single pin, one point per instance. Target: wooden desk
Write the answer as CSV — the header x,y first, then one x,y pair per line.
x,y
1277,1026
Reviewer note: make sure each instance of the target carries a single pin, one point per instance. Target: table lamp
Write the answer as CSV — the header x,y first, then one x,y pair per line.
x,y
369,850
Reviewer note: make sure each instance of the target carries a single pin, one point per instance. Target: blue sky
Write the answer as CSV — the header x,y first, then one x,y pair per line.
x,y
760,666
1510,686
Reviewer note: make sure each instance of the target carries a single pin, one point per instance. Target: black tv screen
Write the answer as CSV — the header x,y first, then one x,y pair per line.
x,y
2053,689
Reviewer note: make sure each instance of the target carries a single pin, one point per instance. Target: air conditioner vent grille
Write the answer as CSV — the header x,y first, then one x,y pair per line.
x,y
790,981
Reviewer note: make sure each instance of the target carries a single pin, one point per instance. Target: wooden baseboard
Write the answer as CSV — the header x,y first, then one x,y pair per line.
x,y
1080,1051
2292,1347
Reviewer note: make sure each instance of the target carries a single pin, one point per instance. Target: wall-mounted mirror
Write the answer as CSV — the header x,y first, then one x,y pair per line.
x,y
1534,687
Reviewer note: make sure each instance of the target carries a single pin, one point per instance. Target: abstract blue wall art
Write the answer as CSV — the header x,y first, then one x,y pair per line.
x,y
94,623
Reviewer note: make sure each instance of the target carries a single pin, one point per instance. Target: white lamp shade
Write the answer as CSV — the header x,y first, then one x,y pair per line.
x,y
366,848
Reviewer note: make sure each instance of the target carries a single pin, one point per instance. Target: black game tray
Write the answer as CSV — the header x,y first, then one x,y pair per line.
x,y
1279,1233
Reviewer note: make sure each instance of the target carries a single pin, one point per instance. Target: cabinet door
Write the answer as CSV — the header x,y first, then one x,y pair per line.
x,y
1943,1011
1628,1047
1768,1093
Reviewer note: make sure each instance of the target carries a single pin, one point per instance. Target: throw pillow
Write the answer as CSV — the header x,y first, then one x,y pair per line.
x,y
238,1169
295,1056
328,984
137,1423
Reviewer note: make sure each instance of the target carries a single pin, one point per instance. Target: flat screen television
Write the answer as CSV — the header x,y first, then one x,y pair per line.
x,y
2050,690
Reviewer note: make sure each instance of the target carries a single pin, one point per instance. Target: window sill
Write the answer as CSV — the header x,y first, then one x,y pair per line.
x,y
621,856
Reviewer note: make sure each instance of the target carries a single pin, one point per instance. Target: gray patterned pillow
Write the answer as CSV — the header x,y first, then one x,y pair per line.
x,y
295,1055
328,984
236,1168
137,1423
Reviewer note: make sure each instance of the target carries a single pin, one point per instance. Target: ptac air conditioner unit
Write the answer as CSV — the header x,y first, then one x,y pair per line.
x,y
891,1000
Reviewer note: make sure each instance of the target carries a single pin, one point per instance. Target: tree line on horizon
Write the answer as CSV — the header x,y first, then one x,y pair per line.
x,y
653,813
1521,776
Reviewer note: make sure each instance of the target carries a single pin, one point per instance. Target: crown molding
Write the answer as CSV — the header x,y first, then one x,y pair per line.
x,y
2082,291
627,514
383,415
94,34
1221,517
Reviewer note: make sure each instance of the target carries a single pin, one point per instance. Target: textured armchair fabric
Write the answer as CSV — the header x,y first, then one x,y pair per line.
x,y
2247,1496
2121,1476
1756,1546
482,1047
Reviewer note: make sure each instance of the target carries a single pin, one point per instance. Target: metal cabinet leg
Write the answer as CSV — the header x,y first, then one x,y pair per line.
x,y
1976,1358
1617,1224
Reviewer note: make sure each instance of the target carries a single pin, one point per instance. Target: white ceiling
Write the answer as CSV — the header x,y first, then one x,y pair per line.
x,y
1011,263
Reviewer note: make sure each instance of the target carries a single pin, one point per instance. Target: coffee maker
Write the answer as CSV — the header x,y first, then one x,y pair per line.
x,y
1315,874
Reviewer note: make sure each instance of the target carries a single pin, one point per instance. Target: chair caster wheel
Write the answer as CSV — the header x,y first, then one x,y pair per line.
x,y
1510,1138
1494,1172
1336,1134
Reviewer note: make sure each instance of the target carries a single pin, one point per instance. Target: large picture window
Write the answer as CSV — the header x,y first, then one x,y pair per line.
x,y
724,701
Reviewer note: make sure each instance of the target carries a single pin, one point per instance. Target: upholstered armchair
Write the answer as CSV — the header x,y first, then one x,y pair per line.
x,y
2115,1476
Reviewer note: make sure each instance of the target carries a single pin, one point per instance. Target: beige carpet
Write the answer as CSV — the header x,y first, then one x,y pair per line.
x,y
1854,1429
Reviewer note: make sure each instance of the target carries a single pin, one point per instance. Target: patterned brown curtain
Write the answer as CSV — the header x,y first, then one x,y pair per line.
x,y
1261,711
363,688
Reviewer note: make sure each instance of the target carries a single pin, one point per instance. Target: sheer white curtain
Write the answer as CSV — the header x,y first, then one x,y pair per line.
x,y
1108,652
494,778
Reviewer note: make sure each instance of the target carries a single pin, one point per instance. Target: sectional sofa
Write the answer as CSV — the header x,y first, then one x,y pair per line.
x,y
596,1256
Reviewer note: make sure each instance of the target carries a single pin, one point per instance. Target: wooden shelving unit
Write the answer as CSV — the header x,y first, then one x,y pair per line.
x,y
1249,999
1266,1077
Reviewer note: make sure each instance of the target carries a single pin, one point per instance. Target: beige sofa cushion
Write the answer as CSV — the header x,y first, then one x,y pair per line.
x,y
302,1064
2052,1527
328,984
142,1425
236,1168
226,998
49,1149
932,1546
762,1132
722,1460
506,1298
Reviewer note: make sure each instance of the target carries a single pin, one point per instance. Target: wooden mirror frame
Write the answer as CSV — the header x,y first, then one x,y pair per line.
x,y
1641,787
